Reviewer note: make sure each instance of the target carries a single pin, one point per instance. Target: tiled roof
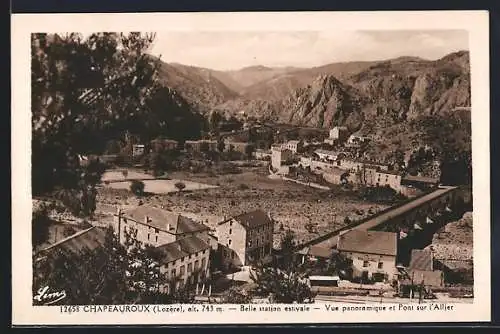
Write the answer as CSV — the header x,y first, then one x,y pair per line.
x,y
251,219
88,239
372,242
318,251
422,179
160,219
181,248
421,259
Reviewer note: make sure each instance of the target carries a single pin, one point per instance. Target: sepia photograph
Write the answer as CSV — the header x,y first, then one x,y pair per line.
x,y
258,168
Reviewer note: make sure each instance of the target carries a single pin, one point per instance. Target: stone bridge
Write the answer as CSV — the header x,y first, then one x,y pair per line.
x,y
416,214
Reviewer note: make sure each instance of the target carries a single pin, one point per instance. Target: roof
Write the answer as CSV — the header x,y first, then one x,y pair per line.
x,y
372,242
320,151
88,239
422,179
293,142
251,219
324,278
421,259
160,219
318,251
180,248
430,278
337,171
164,140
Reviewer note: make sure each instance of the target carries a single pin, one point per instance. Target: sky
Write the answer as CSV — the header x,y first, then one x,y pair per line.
x,y
235,50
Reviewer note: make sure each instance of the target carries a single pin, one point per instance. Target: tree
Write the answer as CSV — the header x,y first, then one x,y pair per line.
x,y
137,187
235,296
180,186
249,149
282,286
40,226
340,265
287,247
221,145
81,88
92,276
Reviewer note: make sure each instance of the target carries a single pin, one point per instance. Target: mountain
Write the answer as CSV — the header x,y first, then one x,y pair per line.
x,y
323,103
337,93
251,75
199,86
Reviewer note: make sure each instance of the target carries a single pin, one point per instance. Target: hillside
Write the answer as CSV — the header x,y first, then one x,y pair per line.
x,y
199,86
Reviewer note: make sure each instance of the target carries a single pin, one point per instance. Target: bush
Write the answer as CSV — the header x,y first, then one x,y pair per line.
x,y
137,187
180,186
243,186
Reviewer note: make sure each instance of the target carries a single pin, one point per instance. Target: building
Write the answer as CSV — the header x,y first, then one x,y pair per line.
x,y
327,155
203,145
246,238
184,261
280,156
373,253
77,243
381,178
138,150
296,146
420,273
241,147
161,144
315,253
420,182
157,227
338,133
336,175
262,154
357,139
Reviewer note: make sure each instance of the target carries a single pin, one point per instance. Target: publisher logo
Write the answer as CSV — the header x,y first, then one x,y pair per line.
x,y
45,296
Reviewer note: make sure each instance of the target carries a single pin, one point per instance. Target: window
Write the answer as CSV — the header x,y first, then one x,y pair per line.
x,y
156,238
366,263
173,273
183,269
125,220
230,231
196,264
190,267
380,265
203,262
229,242
174,263
230,223
156,230
148,236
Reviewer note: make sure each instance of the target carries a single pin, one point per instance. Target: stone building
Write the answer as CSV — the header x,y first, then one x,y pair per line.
x,y
157,227
373,253
184,261
246,238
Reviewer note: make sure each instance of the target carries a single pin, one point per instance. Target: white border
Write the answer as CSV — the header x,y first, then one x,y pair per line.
x,y
475,22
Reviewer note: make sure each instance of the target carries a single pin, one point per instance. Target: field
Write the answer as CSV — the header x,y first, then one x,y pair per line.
x,y
219,196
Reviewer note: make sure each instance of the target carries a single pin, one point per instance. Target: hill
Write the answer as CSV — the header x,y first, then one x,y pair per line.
x,y
199,86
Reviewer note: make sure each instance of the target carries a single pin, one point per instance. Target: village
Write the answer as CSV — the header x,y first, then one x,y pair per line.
x,y
241,202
